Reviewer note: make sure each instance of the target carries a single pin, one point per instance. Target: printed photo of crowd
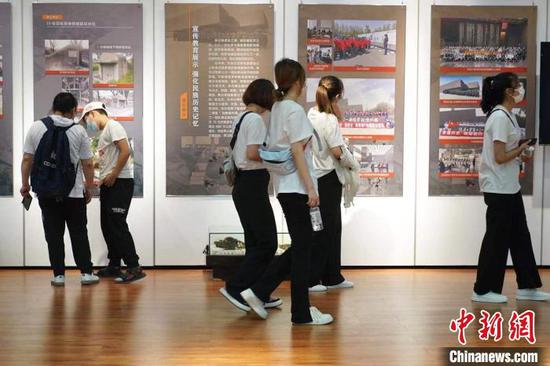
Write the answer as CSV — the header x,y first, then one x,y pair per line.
x,y
483,43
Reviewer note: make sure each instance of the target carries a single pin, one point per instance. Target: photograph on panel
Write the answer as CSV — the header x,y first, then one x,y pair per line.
x,y
461,125
377,165
119,103
79,87
459,162
113,69
67,56
483,43
368,107
319,55
460,89
360,44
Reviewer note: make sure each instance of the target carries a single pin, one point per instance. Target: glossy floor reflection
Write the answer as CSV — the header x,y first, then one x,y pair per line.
x,y
177,317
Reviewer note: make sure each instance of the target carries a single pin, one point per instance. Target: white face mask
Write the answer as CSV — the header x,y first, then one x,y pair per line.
x,y
521,94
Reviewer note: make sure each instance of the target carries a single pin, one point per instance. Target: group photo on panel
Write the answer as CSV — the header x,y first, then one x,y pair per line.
x,y
276,145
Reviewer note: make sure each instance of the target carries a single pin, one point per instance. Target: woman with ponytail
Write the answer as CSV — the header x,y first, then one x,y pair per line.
x,y
326,253
499,181
297,193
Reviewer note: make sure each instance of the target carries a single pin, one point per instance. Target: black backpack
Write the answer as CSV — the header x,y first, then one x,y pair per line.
x,y
53,174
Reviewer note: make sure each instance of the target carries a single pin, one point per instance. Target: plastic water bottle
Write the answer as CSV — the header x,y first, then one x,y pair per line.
x,y
316,220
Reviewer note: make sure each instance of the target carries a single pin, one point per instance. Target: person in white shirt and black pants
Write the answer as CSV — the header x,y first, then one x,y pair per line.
x,y
71,210
116,173
297,193
326,251
499,181
250,194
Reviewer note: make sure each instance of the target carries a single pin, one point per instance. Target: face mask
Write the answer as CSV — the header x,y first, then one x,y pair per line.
x,y
91,125
521,94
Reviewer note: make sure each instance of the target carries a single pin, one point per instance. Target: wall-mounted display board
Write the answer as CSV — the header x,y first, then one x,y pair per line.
x,y
213,52
94,51
365,47
6,114
470,43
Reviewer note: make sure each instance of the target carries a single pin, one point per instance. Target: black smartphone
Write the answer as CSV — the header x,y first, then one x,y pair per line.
x,y
532,141
27,202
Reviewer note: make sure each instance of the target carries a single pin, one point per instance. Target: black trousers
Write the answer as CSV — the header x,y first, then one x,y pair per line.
x,y
251,198
72,211
115,203
506,230
327,244
295,260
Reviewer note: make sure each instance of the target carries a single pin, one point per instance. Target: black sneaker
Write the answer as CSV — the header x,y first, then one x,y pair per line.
x,y
131,275
109,271
273,303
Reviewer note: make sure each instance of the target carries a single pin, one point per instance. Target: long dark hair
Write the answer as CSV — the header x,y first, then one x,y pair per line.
x,y
329,88
494,90
287,72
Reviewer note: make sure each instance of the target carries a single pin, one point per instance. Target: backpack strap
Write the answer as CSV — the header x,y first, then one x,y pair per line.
x,y
506,113
237,128
48,122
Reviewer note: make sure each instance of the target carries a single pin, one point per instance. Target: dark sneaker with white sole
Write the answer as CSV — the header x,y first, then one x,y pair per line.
x,y
109,271
273,303
131,275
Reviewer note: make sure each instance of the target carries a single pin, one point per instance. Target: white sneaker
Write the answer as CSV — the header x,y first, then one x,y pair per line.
x,y
343,284
490,297
532,294
318,318
255,303
58,281
239,305
318,288
89,279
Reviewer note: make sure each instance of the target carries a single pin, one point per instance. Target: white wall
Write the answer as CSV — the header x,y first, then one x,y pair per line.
x,y
141,216
413,229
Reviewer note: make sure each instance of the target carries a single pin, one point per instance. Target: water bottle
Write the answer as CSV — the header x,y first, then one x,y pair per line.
x,y
316,220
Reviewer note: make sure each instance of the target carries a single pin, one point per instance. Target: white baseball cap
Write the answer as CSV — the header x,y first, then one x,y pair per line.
x,y
93,106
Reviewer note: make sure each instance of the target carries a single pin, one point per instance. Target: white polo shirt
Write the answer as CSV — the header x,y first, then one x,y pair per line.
x,y
330,134
252,132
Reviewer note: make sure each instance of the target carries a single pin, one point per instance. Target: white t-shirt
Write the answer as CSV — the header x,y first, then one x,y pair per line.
x,y
493,177
330,134
252,132
289,124
79,144
108,151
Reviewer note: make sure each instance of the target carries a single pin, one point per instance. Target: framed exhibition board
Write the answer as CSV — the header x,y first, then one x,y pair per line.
x,y
365,47
213,51
467,46
6,103
95,52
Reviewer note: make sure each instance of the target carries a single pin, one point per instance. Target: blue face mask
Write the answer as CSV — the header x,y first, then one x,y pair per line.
x,y
91,126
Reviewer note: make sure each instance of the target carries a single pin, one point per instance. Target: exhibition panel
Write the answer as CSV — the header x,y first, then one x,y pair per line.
x,y
203,45
95,51
450,229
369,233
11,235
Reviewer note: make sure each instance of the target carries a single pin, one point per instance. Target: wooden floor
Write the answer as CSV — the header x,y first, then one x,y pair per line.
x,y
177,317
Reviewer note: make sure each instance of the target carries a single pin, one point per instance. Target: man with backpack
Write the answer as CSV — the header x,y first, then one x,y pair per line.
x,y
116,172
57,158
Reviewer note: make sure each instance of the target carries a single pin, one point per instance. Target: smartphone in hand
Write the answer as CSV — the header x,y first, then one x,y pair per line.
x,y
532,141
27,202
